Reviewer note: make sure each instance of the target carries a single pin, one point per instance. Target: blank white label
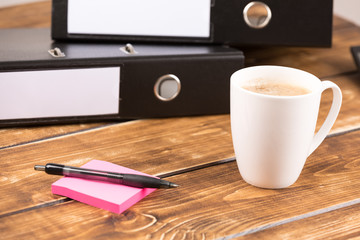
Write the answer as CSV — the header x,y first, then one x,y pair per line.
x,y
173,18
59,93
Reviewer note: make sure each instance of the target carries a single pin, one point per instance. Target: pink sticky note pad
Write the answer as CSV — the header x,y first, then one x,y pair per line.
x,y
109,196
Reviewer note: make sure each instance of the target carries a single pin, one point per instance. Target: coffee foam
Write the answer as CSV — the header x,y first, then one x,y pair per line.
x,y
275,87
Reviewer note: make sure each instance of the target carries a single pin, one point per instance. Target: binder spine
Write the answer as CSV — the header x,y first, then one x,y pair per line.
x,y
204,86
59,20
97,82
288,23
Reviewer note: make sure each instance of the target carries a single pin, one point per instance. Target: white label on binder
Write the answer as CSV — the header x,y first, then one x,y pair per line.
x,y
59,93
172,18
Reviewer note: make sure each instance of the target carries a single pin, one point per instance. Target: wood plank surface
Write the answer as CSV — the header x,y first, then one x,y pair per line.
x,y
16,136
342,223
36,14
156,146
349,116
212,202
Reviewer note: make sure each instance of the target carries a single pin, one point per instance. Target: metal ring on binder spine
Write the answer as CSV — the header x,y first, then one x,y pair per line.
x,y
160,81
257,14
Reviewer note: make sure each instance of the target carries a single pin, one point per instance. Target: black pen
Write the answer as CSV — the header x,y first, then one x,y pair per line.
x,y
132,180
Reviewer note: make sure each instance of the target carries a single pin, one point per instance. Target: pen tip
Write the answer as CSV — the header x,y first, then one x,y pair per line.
x,y
173,185
39,168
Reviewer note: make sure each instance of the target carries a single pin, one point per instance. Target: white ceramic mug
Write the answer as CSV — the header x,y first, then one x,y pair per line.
x,y
273,135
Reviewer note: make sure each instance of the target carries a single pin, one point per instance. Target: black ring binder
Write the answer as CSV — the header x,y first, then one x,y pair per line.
x,y
99,81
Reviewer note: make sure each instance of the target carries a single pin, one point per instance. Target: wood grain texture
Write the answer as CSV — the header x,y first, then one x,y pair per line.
x,y
343,223
211,203
349,116
153,146
21,135
27,15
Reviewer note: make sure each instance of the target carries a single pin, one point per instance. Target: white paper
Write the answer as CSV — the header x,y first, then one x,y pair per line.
x,y
173,18
59,93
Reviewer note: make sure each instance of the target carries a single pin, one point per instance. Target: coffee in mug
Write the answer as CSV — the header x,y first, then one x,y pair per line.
x,y
276,88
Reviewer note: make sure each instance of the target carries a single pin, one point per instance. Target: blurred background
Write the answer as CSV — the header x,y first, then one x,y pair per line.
x,y
349,9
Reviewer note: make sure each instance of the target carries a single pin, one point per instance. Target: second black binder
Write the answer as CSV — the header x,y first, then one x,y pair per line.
x,y
238,22
46,82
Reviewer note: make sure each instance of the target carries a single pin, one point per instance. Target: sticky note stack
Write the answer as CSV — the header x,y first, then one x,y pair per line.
x,y
109,196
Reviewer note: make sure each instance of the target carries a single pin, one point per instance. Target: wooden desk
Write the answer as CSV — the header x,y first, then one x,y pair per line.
x,y
213,201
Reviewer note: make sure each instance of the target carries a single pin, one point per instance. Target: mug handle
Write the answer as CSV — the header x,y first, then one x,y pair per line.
x,y
331,117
